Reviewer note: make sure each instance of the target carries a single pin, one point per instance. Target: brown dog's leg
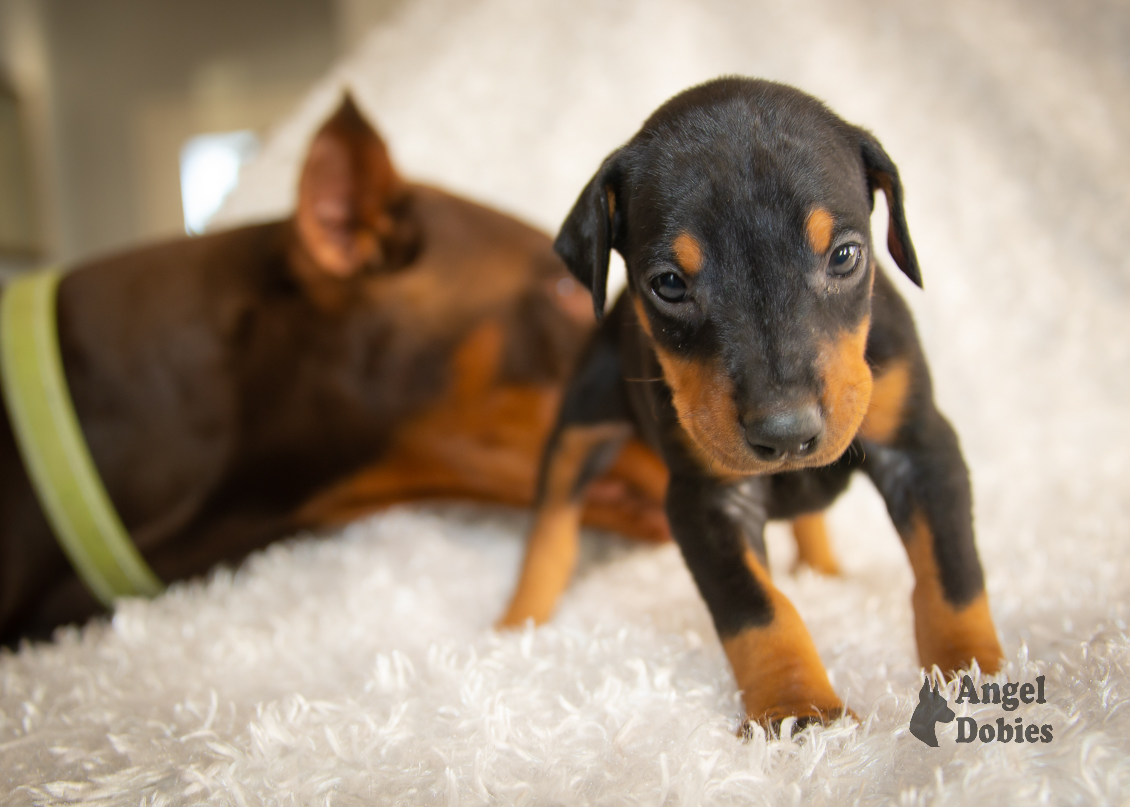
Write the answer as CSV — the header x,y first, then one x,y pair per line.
x,y
551,551
813,547
719,529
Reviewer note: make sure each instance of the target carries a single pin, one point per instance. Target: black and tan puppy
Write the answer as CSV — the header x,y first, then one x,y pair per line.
x,y
760,349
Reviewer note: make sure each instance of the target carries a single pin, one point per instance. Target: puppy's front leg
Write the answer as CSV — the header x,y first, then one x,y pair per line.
x,y
591,429
719,528
912,455
573,457
923,479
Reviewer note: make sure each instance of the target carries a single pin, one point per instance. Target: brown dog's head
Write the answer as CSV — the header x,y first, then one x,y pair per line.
x,y
742,210
352,216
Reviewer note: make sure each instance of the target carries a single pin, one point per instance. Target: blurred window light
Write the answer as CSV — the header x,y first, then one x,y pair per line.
x,y
209,170
18,236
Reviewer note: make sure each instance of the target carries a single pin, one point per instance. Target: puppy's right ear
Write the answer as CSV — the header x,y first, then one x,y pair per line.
x,y
590,231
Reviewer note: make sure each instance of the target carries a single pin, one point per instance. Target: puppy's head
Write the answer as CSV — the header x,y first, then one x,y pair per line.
x,y
742,211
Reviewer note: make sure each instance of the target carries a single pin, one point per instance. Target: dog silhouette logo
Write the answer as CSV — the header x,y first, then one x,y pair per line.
x,y
932,709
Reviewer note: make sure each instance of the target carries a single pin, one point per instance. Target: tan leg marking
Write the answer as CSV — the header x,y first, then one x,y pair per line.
x,y
688,253
813,548
777,667
888,401
818,227
949,637
551,554
551,550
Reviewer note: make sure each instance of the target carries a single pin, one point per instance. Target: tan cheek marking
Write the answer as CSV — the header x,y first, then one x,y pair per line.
x,y
776,665
551,550
688,253
691,397
847,391
813,548
611,204
704,401
819,230
694,394
888,400
948,637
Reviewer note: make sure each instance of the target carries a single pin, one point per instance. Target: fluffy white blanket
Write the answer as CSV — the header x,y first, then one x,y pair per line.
x,y
361,669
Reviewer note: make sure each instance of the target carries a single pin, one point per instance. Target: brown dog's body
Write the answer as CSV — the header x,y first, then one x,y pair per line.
x,y
761,351
392,342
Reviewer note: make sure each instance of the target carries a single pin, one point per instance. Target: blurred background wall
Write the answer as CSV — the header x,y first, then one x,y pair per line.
x,y
98,97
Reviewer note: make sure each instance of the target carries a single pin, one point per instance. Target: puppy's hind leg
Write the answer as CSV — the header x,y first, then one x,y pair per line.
x,y
591,429
814,550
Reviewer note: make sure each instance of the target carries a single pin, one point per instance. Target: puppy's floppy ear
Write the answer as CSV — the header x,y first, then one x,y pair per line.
x,y
349,197
883,175
590,231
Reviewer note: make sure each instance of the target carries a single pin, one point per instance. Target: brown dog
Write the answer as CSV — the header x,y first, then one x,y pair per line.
x,y
390,342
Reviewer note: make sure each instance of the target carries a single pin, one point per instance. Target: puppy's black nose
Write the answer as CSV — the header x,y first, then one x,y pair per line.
x,y
791,431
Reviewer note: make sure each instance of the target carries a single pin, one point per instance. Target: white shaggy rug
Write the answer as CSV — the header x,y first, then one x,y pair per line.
x,y
361,668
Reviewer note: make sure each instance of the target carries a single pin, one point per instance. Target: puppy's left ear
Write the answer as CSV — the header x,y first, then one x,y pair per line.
x,y
349,199
590,231
883,175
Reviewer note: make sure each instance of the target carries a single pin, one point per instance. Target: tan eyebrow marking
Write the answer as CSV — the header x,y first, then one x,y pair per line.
x,y
819,229
688,253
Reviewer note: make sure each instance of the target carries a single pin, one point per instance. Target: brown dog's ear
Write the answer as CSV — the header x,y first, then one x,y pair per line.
x,y
348,198
589,232
883,175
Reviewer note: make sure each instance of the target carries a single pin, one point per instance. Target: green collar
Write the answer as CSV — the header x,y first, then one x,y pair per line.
x,y
53,449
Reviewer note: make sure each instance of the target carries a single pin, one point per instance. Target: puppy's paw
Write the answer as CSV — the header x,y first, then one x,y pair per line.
x,y
827,566
953,639
516,619
779,726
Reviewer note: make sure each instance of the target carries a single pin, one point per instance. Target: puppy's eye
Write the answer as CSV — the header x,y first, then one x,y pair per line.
x,y
844,260
670,287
